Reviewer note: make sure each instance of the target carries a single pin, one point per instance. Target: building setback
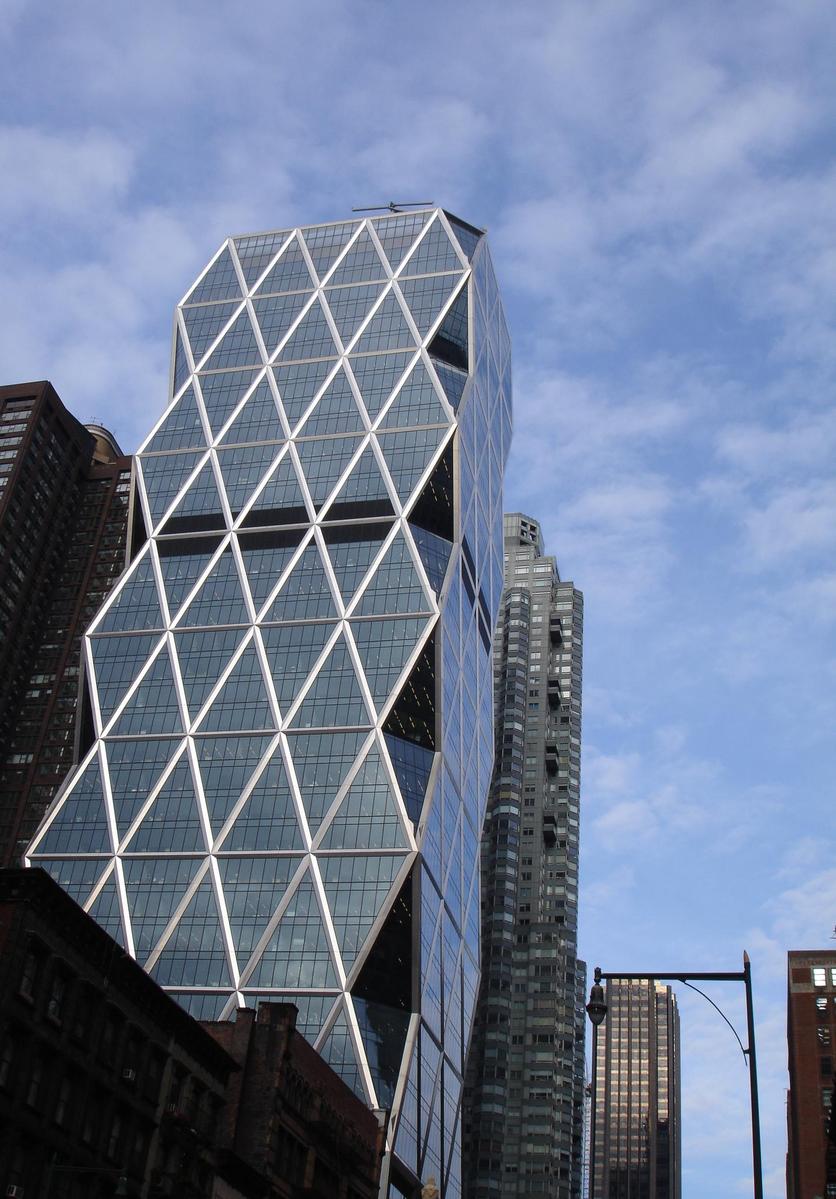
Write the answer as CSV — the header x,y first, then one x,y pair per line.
x,y
64,493
525,1092
290,693
636,1150
811,1030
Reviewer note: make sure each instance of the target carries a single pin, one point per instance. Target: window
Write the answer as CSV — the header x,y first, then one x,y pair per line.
x,y
33,1089
29,975
819,976
57,996
63,1101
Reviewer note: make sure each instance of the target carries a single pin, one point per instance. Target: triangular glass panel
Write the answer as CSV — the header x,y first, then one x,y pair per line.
x,y
387,330
292,651
451,339
256,252
356,888
280,501
275,315
219,599
336,411
298,384
320,762
384,646
137,606
435,253
208,1005
325,242
219,283
412,765
395,586
106,912
383,1031
258,420
182,370
350,306
203,657
117,661
265,556
467,237
181,563
377,376
364,491
163,476
323,461
194,954
238,347
407,455
362,263
201,503
222,392
243,468
313,1009
253,889
76,876
289,273
435,554
335,699
182,429
297,954
172,823
80,824
452,380
134,768
242,703
226,766
268,819
398,233
204,323
351,554
155,887
367,817
305,594
417,403
311,338
153,706
426,297
338,1051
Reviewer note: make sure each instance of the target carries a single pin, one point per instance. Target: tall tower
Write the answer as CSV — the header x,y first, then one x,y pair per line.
x,y
636,1130
290,691
525,1093
64,492
811,1033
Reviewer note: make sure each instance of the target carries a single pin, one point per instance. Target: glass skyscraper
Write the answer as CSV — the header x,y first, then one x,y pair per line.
x,y
288,734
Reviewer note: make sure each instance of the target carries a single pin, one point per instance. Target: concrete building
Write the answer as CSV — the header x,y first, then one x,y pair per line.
x,y
525,1093
811,1031
636,1150
290,692
64,491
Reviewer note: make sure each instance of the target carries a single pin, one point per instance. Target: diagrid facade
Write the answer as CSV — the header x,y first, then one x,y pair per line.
x,y
289,738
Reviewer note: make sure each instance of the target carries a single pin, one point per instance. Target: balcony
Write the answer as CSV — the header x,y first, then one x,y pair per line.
x,y
554,693
552,757
555,630
549,828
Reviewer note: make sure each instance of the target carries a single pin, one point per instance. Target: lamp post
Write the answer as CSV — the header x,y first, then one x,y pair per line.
x,y
597,1011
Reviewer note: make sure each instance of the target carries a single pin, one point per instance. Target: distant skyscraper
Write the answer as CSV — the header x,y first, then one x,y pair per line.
x,y
64,495
525,1092
290,691
811,1030
636,1132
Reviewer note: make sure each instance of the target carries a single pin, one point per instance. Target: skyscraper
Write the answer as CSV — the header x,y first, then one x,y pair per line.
x,y
290,691
636,1148
811,1029
525,1077
64,494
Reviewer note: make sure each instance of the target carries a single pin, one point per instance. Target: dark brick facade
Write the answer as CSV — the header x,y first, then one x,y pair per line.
x,y
811,1036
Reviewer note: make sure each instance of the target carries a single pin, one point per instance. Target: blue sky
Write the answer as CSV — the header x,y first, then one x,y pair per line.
x,y
658,181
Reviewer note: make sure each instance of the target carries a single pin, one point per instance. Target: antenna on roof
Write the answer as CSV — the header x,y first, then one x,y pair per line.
x,y
392,206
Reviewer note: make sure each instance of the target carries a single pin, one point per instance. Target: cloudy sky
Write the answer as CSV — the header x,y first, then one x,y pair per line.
x,y
660,189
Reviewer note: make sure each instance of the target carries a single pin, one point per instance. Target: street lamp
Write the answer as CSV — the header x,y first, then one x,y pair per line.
x,y
597,1011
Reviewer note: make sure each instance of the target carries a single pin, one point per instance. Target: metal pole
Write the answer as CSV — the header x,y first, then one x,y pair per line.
x,y
592,1109
757,1167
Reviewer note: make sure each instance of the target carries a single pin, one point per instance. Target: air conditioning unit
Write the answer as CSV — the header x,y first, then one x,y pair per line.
x,y
13,1192
129,1075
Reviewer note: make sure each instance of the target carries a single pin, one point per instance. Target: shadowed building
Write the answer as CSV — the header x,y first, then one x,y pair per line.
x,y
636,1131
524,1102
64,491
289,694
811,1029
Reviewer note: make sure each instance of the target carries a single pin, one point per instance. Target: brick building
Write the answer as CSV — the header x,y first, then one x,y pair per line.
x,y
811,1028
